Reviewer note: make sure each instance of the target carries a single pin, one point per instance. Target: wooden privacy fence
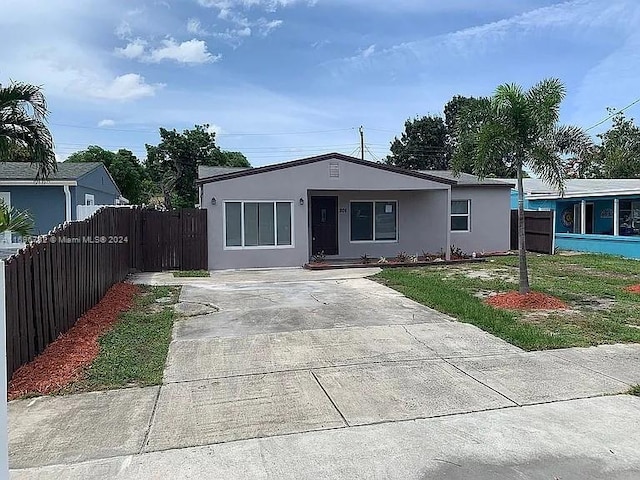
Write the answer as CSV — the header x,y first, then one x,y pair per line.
x,y
539,231
53,282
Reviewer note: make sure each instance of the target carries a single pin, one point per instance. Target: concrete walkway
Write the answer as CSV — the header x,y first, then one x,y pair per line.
x,y
330,375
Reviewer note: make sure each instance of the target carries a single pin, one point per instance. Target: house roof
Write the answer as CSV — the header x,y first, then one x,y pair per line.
x,y
28,171
319,158
535,188
205,171
468,180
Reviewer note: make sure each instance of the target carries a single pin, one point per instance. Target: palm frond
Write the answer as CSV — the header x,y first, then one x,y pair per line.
x,y
12,220
17,95
23,112
543,101
545,162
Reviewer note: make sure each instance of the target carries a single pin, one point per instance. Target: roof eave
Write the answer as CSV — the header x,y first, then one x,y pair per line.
x,y
319,158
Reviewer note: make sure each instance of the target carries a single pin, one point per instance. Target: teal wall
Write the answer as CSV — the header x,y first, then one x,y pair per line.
x,y
625,246
602,239
44,203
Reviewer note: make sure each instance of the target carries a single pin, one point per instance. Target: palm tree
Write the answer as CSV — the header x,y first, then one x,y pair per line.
x,y
23,115
12,220
520,128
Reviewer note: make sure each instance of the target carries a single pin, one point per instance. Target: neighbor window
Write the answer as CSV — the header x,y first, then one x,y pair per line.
x,y
89,199
258,224
374,221
460,215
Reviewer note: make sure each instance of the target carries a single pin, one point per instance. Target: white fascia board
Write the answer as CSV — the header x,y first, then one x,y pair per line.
x,y
599,193
44,183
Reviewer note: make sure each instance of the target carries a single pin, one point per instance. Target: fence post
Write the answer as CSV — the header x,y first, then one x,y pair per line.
x,y
4,425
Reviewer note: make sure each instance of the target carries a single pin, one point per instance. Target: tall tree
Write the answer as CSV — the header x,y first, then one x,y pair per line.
x,y
522,129
468,114
23,116
422,145
173,163
125,168
618,155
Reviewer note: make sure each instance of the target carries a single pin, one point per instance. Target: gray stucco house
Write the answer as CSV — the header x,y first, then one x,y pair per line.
x,y
55,200
280,215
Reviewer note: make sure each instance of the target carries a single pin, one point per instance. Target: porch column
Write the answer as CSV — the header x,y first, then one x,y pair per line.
x,y
616,216
583,217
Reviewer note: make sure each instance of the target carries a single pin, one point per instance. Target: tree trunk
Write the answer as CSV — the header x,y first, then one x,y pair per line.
x,y
522,247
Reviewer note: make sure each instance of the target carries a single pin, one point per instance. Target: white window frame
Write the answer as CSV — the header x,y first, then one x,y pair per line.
x,y
468,215
275,226
88,197
351,202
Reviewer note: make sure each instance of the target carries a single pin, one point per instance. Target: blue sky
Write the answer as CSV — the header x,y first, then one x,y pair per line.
x,y
285,79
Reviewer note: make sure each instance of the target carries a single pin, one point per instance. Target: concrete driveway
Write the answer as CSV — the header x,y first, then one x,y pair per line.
x,y
330,375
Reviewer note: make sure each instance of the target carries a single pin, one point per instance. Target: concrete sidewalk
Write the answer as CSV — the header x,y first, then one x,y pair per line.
x,y
352,379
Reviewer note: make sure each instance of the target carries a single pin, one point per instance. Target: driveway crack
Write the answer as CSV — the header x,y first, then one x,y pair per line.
x,y
329,397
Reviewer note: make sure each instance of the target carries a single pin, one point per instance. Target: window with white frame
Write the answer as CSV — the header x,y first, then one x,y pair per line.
x,y
460,215
258,224
89,199
374,221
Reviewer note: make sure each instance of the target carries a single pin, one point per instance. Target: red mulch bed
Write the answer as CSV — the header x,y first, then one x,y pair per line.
x,y
528,301
633,288
64,360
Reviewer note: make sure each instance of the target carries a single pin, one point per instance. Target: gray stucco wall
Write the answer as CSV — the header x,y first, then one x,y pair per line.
x,y
293,183
45,203
422,222
490,219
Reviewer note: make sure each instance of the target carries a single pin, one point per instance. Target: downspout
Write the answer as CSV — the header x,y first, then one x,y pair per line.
x,y
447,247
67,203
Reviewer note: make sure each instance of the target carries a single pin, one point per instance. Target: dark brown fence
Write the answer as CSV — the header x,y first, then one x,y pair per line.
x,y
51,283
175,240
538,227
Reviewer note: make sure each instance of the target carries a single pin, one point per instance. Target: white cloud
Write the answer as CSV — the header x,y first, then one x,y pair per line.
x,y
130,86
134,49
194,26
572,17
213,128
189,52
107,122
367,52
123,30
265,27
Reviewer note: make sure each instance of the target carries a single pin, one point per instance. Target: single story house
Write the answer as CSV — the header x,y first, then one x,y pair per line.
x,y
344,207
56,199
593,215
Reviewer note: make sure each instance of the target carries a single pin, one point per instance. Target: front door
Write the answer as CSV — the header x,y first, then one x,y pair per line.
x,y
324,225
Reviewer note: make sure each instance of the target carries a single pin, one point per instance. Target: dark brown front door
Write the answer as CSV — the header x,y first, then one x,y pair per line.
x,y
324,225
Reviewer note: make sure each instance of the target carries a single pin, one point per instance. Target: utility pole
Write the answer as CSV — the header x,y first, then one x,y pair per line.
x,y
362,142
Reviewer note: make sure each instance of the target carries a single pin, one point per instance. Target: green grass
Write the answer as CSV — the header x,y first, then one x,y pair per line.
x,y
134,352
191,273
593,285
635,390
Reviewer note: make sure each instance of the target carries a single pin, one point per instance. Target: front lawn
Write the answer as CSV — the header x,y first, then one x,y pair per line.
x,y
134,352
600,310
191,273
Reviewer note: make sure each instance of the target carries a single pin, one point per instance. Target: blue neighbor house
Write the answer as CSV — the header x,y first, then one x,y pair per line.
x,y
57,199
593,215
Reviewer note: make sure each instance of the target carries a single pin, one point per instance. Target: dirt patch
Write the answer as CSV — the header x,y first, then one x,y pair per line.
x,y
528,301
633,288
64,360
595,303
502,274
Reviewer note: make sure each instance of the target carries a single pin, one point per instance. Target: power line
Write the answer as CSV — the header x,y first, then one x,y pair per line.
x,y
613,114
105,129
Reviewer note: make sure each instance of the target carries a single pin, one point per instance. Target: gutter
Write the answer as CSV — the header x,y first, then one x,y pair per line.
x,y
67,203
